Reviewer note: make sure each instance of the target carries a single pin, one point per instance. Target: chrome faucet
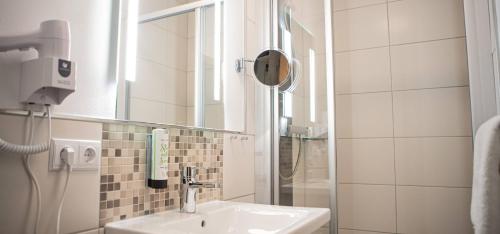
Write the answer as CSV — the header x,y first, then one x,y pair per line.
x,y
189,188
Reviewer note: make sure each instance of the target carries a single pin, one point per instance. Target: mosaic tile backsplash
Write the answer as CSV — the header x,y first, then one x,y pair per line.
x,y
123,190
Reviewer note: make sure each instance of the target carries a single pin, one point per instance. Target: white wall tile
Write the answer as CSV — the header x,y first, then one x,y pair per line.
x,y
176,51
151,5
432,112
17,199
190,116
239,174
214,116
364,115
151,43
190,54
422,20
190,89
363,71
366,160
313,33
433,210
159,83
361,28
175,24
149,73
367,207
175,114
442,161
429,65
348,4
147,111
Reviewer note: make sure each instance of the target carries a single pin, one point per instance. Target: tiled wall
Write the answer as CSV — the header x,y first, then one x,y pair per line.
x,y
164,67
404,142
123,192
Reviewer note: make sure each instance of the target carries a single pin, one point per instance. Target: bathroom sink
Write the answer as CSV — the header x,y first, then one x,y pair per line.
x,y
220,217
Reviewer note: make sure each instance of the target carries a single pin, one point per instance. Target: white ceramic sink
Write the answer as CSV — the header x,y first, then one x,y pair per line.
x,y
220,217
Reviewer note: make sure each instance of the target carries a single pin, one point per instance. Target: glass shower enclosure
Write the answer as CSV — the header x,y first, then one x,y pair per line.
x,y
301,140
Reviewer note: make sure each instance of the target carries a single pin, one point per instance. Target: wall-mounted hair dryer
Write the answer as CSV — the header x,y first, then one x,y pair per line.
x,y
50,78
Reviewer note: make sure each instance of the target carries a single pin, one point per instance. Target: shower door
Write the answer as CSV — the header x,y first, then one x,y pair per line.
x,y
303,169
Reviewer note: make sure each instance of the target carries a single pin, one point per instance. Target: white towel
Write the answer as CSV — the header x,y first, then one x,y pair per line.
x,y
485,205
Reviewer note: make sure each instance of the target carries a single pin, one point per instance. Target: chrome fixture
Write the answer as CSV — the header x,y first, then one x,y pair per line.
x,y
240,64
189,188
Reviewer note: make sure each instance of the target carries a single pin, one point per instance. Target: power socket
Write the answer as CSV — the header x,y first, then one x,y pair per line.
x,y
87,154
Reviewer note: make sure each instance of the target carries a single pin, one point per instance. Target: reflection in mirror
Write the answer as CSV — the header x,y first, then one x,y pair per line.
x,y
272,68
175,76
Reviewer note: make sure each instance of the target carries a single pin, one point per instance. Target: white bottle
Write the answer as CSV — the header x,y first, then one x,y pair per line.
x,y
157,147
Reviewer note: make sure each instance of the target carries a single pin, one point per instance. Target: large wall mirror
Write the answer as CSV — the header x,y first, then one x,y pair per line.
x,y
177,63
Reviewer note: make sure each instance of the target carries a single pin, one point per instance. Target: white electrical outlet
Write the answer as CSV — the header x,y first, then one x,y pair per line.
x,y
87,154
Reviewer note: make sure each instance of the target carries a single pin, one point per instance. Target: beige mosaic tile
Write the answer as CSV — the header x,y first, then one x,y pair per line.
x,y
123,190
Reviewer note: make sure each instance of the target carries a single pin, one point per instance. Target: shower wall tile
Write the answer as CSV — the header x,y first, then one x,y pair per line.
x,y
367,207
429,65
424,20
363,71
437,161
403,116
366,161
349,4
432,112
364,115
123,190
433,210
361,28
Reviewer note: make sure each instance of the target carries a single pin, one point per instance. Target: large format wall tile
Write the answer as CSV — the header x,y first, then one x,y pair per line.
x,y
361,28
147,111
423,20
432,112
367,207
433,210
363,71
169,84
429,65
366,160
437,161
364,115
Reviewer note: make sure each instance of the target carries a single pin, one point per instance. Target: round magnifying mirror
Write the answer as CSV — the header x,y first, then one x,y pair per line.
x,y
272,68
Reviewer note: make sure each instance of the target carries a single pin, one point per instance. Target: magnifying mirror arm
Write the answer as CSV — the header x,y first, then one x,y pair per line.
x,y
240,64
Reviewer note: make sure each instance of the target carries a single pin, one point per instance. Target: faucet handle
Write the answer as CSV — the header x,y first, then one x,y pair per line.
x,y
189,172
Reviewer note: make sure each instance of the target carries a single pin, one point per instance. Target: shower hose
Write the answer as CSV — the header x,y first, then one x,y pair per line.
x,y
297,161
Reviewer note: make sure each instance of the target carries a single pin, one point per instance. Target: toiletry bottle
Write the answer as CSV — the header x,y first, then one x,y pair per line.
x,y
157,152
